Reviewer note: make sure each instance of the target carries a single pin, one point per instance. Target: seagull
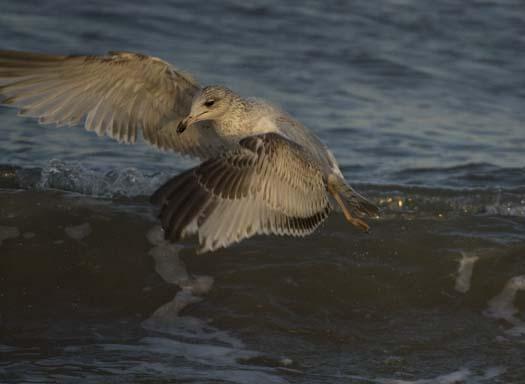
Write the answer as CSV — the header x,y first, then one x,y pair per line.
x,y
262,171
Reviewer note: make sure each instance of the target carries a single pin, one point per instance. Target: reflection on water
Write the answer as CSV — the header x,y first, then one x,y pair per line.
x,y
171,268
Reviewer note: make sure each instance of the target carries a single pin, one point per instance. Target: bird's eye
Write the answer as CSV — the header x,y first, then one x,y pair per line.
x,y
209,102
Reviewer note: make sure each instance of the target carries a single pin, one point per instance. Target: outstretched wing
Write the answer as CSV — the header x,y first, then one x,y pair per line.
x,y
268,185
115,95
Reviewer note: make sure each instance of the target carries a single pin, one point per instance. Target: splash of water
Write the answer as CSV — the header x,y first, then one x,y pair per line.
x,y
75,177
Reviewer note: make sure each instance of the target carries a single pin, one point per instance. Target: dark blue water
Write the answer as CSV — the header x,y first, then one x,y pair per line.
x,y
390,86
423,105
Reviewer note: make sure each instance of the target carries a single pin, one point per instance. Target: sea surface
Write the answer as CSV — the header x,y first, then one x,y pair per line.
x,y
423,104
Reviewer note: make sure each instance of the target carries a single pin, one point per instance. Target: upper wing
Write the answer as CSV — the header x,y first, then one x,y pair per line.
x,y
114,95
268,185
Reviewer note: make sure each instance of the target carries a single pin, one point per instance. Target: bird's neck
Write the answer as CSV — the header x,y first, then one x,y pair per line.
x,y
246,119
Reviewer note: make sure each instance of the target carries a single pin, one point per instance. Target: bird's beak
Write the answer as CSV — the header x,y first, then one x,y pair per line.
x,y
189,120
184,123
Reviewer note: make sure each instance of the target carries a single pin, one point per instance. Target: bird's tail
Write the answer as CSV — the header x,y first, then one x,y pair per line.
x,y
354,206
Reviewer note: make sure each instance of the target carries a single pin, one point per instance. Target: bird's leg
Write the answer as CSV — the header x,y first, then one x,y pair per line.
x,y
355,221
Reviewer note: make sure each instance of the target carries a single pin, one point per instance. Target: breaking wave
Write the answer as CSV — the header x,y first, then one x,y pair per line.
x,y
135,184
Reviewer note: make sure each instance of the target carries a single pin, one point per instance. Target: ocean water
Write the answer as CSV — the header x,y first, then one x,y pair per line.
x,y
422,104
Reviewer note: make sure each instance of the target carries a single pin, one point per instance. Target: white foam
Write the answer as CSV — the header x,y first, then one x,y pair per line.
x,y
79,178
207,354
237,375
78,232
464,273
8,233
502,306
463,375
196,329
459,376
172,360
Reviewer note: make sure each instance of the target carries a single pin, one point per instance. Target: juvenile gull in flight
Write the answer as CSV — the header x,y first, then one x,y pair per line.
x,y
262,171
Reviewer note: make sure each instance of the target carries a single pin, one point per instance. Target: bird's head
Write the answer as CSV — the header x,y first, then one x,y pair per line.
x,y
211,103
